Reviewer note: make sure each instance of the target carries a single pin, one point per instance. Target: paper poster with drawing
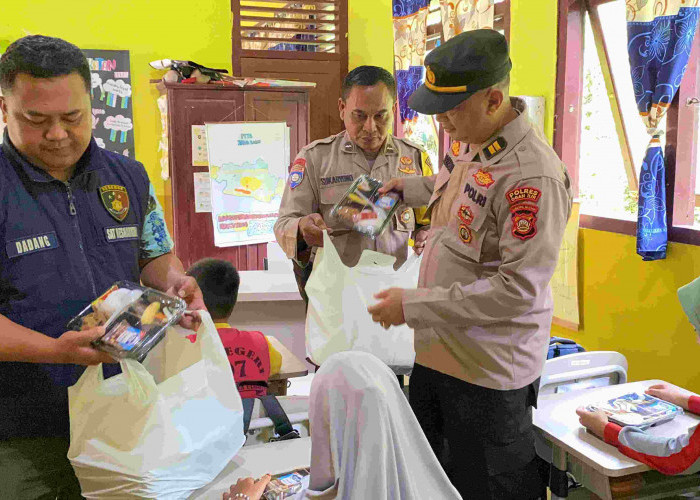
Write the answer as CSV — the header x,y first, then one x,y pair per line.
x,y
248,168
112,114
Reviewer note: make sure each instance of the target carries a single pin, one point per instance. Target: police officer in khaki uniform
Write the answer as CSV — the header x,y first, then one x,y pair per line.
x,y
483,308
324,170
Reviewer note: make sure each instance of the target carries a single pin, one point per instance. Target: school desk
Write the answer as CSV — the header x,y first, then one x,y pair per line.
x,y
598,466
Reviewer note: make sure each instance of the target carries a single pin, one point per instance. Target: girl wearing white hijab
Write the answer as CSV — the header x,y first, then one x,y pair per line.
x,y
366,441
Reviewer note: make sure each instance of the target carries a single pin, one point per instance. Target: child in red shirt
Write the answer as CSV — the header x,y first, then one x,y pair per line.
x,y
252,357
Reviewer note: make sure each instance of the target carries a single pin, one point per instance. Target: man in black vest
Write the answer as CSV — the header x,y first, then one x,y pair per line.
x,y
74,218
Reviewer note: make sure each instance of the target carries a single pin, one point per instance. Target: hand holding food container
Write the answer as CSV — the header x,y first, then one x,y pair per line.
x,y
364,209
135,319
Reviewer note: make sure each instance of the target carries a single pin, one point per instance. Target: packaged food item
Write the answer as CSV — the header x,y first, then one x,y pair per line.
x,y
285,485
363,209
135,319
637,409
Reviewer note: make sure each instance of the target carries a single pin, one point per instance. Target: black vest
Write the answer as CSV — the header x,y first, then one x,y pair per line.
x,y
61,250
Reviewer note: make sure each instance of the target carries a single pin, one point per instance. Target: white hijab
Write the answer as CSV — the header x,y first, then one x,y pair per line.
x,y
366,441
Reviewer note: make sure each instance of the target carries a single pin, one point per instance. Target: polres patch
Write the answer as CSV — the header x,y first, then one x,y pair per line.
x,y
296,173
523,209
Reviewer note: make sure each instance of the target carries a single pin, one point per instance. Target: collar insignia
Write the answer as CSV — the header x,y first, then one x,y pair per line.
x,y
494,148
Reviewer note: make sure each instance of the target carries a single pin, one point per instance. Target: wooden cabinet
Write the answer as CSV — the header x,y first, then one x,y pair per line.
x,y
193,233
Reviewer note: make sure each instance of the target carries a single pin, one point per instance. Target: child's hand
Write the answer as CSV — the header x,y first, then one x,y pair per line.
x,y
669,393
594,421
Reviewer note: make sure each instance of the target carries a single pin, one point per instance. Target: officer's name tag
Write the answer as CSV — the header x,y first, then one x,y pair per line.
x,y
121,233
336,179
31,244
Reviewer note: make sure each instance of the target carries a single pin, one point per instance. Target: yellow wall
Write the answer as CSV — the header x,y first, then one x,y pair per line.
x,y
370,34
631,307
153,29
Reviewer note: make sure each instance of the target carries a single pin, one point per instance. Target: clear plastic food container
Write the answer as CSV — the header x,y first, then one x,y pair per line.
x,y
285,485
363,210
135,319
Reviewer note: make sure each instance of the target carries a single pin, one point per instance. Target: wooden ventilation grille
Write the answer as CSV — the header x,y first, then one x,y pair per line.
x,y
302,26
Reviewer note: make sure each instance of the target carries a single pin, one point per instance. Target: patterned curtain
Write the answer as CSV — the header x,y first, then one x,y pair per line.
x,y
660,35
465,15
410,17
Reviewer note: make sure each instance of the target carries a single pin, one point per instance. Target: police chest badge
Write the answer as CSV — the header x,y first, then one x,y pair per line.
x,y
465,234
116,201
523,209
406,216
296,173
465,214
406,165
483,179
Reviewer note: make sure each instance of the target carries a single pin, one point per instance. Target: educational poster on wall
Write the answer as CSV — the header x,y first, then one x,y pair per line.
x,y
248,168
564,282
112,114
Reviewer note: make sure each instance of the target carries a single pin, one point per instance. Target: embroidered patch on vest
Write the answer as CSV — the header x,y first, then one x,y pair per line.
x,y
465,234
31,244
336,179
296,173
121,233
484,179
406,216
523,209
465,214
456,146
116,201
495,147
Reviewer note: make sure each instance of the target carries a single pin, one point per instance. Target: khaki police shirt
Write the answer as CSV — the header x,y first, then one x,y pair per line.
x,y
329,167
483,308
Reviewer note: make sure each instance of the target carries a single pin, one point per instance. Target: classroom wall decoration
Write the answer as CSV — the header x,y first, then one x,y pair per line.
x,y
112,113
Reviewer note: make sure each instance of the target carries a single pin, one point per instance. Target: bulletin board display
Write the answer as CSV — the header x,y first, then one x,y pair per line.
x,y
111,93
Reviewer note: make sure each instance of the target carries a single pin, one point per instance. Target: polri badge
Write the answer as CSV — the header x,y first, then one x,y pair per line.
x,y
484,179
116,200
456,146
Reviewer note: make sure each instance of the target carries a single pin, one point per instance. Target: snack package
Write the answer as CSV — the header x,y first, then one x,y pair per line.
x,y
637,409
135,319
363,210
285,485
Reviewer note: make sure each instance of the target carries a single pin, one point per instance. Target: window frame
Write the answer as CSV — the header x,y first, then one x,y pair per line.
x,y
682,123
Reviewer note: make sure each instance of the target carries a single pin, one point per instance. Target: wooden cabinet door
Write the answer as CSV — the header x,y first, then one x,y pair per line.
x,y
324,114
194,232
289,107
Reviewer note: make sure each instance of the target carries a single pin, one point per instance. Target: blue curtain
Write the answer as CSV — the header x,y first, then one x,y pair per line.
x,y
658,50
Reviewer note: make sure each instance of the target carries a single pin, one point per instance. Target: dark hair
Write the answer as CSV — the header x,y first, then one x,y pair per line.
x,y
42,57
368,76
219,282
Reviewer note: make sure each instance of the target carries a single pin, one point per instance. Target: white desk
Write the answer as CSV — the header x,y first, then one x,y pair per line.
x,y
271,458
594,462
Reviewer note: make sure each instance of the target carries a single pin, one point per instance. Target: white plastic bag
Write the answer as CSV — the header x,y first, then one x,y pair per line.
x,y
134,435
337,318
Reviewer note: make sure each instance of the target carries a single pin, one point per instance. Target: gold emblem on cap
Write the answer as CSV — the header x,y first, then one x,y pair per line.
x,y
429,75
